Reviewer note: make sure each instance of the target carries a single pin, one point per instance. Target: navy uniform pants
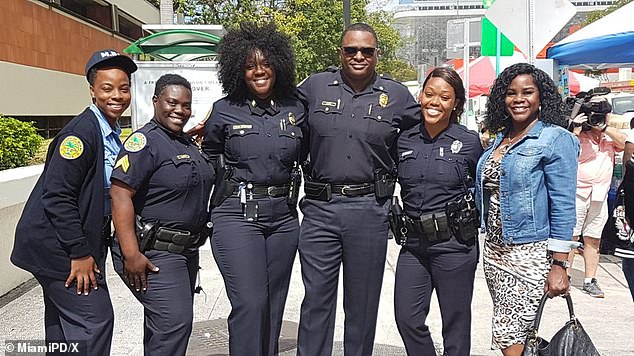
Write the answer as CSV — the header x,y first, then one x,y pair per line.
x,y
351,231
168,303
69,317
255,260
451,275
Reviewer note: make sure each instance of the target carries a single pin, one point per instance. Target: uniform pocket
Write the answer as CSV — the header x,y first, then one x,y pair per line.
x,y
406,165
240,142
290,141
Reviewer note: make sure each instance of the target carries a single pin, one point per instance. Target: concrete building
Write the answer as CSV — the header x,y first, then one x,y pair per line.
x,y
423,24
44,46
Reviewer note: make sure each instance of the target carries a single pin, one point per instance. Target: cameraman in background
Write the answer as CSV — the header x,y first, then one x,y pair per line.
x,y
599,142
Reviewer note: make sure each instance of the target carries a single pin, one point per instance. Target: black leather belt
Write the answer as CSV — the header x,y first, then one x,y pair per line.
x,y
260,191
352,190
177,241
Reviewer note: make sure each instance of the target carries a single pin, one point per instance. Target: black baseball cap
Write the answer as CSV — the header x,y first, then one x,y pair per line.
x,y
110,58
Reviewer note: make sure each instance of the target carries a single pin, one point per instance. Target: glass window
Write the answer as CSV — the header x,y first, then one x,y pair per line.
x,y
129,27
95,10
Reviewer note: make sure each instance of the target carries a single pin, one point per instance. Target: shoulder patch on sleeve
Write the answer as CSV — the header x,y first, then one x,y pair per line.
x,y
136,142
71,147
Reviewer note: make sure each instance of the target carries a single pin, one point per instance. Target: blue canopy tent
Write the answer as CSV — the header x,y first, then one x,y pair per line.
x,y
605,43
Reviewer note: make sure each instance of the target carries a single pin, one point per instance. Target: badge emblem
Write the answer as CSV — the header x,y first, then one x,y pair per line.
x,y
135,143
71,147
383,100
124,163
291,118
456,146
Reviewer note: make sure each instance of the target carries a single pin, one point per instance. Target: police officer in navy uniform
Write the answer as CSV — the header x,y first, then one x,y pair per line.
x,y
437,160
160,192
61,235
254,139
354,117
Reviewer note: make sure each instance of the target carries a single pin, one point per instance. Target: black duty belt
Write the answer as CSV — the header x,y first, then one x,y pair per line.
x,y
177,241
352,190
432,227
263,191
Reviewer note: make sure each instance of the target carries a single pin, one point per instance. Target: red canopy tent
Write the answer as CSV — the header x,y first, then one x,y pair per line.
x,y
482,75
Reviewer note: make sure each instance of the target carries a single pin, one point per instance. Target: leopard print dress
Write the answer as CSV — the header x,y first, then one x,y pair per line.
x,y
515,274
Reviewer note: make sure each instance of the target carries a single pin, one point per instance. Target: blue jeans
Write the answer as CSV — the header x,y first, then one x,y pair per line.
x,y
628,271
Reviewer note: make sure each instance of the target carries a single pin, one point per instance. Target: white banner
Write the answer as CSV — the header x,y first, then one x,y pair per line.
x,y
202,75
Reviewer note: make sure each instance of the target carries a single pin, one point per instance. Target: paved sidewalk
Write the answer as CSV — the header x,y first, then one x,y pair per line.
x,y
609,321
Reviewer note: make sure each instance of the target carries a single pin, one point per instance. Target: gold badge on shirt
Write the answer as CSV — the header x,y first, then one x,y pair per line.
x,y
291,118
383,99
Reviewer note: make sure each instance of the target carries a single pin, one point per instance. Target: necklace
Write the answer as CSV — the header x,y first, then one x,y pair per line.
x,y
505,147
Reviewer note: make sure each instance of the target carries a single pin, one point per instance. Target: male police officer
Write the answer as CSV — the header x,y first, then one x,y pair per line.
x,y
353,118
60,237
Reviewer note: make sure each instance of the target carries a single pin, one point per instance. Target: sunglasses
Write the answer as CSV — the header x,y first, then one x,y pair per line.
x,y
365,51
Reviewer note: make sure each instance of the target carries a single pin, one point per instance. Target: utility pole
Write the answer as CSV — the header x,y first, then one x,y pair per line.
x,y
346,14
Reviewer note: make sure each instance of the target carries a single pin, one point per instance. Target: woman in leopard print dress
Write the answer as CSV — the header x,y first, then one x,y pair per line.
x,y
525,186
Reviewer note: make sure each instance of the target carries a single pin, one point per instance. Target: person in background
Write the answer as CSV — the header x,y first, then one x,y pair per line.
x,y
160,191
628,186
525,189
599,143
437,162
62,234
353,116
254,140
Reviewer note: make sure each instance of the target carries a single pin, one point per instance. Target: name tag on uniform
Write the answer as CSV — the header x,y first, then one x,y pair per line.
x,y
407,153
329,103
183,157
243,126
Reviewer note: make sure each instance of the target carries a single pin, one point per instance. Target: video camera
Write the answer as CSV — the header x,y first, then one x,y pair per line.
x,y
595,110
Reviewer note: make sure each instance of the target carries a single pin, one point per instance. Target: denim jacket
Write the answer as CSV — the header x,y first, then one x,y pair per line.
x,y
538,182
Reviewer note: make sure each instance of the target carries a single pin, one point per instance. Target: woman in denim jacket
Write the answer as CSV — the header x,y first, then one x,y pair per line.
x,y
525,188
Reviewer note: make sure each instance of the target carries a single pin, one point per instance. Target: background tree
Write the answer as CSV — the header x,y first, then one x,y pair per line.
x,y
595,15
315,27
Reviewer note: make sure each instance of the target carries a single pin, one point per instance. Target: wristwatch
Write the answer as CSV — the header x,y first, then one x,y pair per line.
x,y
562,263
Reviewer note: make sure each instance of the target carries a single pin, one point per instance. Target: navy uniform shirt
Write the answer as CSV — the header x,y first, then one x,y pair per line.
x,y
172,179
429,170
260,139
352,134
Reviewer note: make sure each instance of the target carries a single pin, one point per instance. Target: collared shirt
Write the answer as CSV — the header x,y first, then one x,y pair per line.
x,y
353,134
596,163
261,140
111,147
172,179
434,171
111,143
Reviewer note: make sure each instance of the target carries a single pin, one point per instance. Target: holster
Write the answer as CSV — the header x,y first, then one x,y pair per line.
x,y
145,233
396,219
434,227
318,191
463,217
383,183
293,188
223,188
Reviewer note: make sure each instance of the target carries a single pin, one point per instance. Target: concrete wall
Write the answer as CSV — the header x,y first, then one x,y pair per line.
x,y
15,187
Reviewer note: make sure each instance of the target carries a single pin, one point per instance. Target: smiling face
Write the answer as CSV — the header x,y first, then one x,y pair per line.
x,y
111,92
358,66
437,100
259,75
173,107
522,100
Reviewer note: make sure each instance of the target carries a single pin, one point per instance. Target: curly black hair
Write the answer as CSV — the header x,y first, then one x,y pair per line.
x,y
170,79
551,112
452,78
242,42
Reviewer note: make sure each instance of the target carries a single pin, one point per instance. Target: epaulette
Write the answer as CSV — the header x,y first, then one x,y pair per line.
x,y
386,76
332,69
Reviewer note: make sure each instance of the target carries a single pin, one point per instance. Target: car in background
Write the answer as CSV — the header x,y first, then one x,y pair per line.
x,y
622,109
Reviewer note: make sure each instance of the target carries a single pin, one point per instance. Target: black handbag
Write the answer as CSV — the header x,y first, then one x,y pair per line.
x,y
570,340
